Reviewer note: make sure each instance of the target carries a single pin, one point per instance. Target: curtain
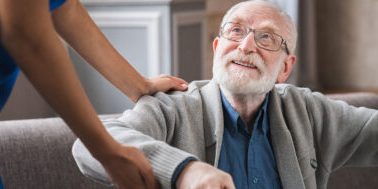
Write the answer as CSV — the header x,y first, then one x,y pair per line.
x,y
307,70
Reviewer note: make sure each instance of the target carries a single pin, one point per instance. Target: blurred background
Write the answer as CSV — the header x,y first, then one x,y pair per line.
x,y
337,47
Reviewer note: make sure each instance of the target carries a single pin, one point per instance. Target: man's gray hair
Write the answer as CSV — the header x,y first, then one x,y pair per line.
x,y
290,28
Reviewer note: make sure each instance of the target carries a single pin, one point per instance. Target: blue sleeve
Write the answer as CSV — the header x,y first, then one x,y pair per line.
x,y
179,169
8,75
54,4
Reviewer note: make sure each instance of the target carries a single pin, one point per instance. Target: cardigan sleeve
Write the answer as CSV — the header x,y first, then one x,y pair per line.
x,y
150,127
344,135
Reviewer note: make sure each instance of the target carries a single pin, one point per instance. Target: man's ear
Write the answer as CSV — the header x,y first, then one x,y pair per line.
x,y
287,68
215,44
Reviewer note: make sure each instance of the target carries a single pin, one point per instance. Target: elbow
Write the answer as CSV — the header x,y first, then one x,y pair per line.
x,y
88,165
16,39
14,31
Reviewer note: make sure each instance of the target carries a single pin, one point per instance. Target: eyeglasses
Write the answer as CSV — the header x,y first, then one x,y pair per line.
x,y
264,39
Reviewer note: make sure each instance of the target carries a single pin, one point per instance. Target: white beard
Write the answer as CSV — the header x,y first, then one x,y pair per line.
x,y
240,82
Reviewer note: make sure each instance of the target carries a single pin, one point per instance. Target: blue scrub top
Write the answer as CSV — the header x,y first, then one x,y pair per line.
x,y
9,69
54,4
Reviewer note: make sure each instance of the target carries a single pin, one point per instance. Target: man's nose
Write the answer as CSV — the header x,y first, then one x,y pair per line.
x,y
248,44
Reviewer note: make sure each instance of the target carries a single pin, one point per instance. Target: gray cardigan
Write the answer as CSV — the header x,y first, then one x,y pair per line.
x,y
311,135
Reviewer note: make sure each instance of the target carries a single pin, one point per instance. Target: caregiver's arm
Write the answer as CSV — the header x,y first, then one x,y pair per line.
x,y
77,28
28,34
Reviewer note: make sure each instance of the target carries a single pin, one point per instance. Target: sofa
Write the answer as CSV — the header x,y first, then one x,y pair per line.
x,y
36,154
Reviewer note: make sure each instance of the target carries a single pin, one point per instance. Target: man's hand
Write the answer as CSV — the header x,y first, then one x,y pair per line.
x,y
198,175
129,169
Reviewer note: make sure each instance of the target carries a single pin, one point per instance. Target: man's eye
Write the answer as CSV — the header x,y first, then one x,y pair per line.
x,y
236,30
266,36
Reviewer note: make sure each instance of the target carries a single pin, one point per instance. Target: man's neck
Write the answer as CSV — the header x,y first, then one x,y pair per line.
x,y
246,105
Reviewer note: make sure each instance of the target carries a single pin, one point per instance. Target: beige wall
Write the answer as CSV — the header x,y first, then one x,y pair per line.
x,y
347,45
25,102
219,6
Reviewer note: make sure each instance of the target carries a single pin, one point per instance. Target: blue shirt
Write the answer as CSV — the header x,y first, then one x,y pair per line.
x,y
249,159
1,184
9,69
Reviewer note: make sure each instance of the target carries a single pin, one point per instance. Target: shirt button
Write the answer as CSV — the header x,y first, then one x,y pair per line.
x,y
314,163
255,180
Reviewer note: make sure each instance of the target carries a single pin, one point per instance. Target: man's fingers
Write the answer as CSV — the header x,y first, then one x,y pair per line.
x,y
229,183
229,186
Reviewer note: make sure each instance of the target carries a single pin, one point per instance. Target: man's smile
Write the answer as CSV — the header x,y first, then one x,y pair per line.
x,y
245,64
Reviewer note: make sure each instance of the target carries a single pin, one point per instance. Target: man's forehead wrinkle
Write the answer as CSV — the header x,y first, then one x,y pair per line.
x,y
254,9
268,25
256,21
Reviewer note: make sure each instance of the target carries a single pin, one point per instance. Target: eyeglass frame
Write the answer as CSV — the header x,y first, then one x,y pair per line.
x,y
283,41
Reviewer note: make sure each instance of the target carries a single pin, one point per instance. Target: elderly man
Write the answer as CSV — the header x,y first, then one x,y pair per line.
x,y
243,129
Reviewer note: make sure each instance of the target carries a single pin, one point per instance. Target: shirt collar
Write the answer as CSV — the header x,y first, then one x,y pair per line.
x,y
264,114
229,111
234,116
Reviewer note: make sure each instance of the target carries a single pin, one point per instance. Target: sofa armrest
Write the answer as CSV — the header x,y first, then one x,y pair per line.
x,y
359,99
37,154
